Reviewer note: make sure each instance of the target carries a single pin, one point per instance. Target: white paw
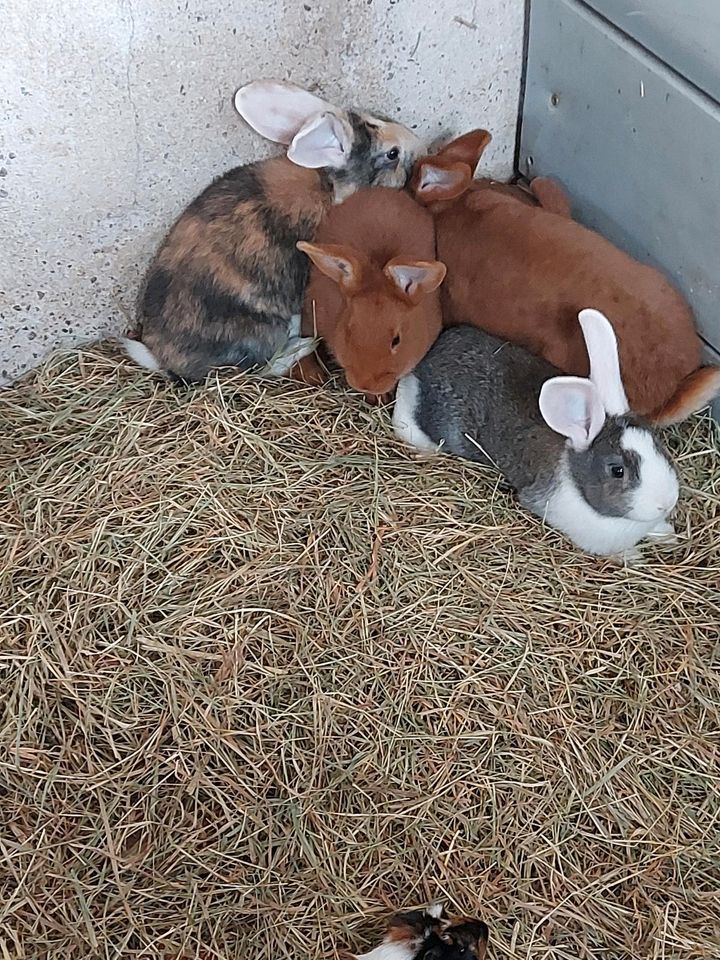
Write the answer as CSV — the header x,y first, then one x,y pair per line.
x,y
294,326
425,453
663,533
627,558
285,359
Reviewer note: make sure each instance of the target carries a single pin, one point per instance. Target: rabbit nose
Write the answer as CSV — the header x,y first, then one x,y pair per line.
x,y
377,386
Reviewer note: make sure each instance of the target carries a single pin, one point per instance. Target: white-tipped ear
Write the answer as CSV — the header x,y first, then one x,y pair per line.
x,y
602,349
572,407
324,141
277,110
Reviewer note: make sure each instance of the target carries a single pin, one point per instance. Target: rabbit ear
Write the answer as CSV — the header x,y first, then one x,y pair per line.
x,y
572,407
602,349
414,279
324,141
466,149
440,180
341,264
276,110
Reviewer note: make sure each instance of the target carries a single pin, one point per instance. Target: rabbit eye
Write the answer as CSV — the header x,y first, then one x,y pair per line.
x,y
395,340
393,154
617,471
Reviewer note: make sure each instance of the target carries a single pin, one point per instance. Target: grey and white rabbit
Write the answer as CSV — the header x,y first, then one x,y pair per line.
x,y
430,935
568,445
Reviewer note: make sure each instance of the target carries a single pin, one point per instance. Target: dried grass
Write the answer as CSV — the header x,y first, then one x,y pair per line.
x,y
266,677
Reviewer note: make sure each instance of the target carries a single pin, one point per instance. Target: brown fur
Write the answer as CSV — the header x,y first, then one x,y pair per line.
x,y
437,937
516,190
228,280
400,933
287,189
372,228
522,271
696,391
551,196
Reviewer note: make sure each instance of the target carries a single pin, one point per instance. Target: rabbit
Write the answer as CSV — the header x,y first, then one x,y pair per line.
x,y
569,446
372,294
429,935
225,287
522,270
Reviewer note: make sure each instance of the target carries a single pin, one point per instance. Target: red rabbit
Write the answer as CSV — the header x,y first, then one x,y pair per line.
x,y
521,269
372,295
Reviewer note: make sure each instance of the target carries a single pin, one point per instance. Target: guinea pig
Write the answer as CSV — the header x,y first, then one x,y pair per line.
x,y
429,935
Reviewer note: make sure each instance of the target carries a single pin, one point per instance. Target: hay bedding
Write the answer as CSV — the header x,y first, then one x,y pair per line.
x,y
265,677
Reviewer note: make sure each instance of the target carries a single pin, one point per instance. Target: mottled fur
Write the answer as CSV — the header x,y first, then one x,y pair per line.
x,y
466,940
228,276
429,935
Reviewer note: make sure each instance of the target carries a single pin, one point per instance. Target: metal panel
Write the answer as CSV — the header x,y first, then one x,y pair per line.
x,y
636,147
685,34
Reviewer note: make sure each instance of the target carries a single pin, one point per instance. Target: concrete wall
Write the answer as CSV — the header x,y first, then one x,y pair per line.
x,y
114,114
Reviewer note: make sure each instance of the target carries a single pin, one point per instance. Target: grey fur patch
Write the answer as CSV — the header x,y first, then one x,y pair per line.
x,y
368,165
591,470
479,398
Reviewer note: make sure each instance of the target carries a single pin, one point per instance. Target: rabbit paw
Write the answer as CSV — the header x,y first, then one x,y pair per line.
x,y
284,360
309,371
379,400
294,326
664,533
627,558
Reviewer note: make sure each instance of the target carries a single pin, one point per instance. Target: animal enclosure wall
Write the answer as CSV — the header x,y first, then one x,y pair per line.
x,y
114,115
622,104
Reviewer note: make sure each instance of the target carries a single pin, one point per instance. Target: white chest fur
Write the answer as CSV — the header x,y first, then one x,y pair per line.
x,y
405,425
392,950
568,511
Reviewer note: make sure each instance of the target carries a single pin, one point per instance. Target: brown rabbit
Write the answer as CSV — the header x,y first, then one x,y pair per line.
x,y
226,285
523,271
372,294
